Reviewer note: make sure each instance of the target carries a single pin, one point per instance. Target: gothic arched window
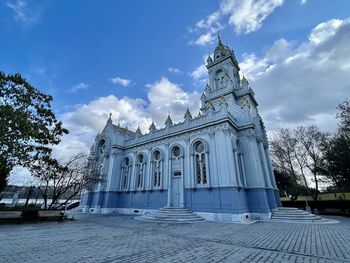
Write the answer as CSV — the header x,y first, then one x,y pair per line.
x,y
200,164
140,170
126,169
157,169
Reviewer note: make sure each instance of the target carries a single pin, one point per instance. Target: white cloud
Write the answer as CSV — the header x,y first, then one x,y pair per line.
x,y
199,73
303,2
205,39
248,16
79,87
22,12
303,83
244,16
324,31
121,81
210,25
175,70
166,98
252,66
86,120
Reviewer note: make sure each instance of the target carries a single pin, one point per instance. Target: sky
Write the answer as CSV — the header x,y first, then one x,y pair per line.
x,y
142,60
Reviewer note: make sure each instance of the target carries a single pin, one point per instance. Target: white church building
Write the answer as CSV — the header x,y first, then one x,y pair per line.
x,y
216,164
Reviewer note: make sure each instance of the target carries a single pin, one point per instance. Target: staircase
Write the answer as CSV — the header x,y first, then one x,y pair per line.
x,y
295,215
172,215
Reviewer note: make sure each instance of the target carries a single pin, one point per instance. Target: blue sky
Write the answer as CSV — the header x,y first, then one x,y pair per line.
x,y
141,60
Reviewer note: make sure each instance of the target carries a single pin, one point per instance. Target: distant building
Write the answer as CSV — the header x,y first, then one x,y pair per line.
x,y
216,164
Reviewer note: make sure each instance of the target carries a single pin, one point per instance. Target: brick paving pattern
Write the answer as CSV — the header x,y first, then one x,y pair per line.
x,y
117,238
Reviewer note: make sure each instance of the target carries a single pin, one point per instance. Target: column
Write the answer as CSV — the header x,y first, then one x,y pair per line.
x,y
263,159
182,186
192,175
269,165
149,171
252,161
161,175
229,151
131,178
235,160
214,168
169,180
121,178
207,167
240,155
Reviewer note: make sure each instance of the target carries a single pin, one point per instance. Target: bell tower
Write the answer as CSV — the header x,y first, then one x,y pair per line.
x,y
223,71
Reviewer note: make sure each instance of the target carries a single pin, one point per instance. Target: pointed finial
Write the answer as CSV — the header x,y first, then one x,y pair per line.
x,y
110,118
219,39
188,114
168,121
152,127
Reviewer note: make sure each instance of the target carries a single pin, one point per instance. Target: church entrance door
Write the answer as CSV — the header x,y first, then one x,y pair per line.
x,y
175,191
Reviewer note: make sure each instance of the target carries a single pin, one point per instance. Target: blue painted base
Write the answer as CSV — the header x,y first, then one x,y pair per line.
x,y
231,200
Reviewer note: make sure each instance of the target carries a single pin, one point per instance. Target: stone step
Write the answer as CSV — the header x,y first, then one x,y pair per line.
x,y
288,208
317,221
172,214
294,215
194,218
174,210
290,211
290,214
298,218
172,221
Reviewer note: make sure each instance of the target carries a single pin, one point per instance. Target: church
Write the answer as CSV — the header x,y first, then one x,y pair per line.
x,y
216,164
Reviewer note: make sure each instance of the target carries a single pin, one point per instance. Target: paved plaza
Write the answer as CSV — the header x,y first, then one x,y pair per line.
x,y
118,238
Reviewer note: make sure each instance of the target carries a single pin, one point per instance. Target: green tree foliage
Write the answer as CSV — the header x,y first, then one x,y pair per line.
x,y
337,151
28,126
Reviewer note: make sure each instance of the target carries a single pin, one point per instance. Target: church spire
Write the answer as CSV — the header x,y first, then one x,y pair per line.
x,y
219,40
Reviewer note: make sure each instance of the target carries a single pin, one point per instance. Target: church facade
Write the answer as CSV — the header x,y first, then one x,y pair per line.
x,y
216,164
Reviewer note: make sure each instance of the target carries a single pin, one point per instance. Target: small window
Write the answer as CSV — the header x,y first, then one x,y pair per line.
x,y
176,151
126,161
157,155
140,158
199,147
177,174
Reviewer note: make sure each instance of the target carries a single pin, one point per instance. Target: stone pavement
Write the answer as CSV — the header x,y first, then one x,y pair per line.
x,y
117,238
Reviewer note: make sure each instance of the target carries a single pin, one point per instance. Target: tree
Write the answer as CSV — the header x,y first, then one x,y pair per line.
x,y
282,147
285,184
311,140
28,127
344,117
336,149
297,153
62,182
